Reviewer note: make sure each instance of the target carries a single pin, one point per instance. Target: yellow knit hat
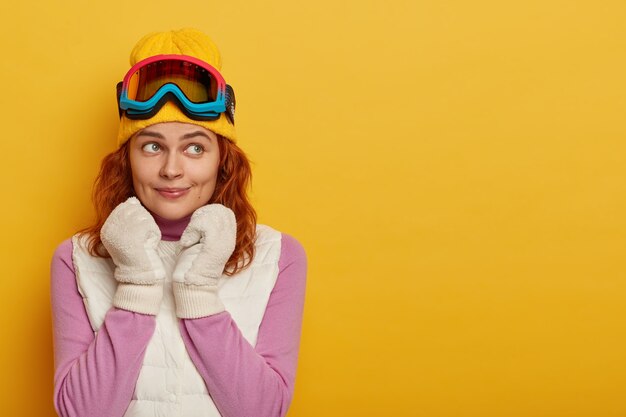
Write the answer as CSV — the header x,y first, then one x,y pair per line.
x,y
190,42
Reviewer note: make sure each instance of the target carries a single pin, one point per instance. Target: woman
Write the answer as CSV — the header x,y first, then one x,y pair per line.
x,y
175,302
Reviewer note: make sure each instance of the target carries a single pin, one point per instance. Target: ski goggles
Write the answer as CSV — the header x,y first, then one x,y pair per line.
x,y
196,87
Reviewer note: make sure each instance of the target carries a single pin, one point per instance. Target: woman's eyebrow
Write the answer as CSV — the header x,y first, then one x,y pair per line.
x,y
194,134
149,133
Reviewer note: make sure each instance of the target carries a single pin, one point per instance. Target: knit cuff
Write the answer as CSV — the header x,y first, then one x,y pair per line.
x,y
144,299
195,301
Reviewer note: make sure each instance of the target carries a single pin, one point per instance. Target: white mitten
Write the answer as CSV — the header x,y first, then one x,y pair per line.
x,y
208,242
131,236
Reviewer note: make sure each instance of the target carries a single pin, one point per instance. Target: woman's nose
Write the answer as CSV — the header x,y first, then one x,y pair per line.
x,y
172,166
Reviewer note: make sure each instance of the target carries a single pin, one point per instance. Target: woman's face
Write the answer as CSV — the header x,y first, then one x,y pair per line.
x,y
174,167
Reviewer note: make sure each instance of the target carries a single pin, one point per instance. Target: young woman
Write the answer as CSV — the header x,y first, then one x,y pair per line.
x,y
175,302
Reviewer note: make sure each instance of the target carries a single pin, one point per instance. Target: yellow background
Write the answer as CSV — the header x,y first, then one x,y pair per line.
x,y
454,169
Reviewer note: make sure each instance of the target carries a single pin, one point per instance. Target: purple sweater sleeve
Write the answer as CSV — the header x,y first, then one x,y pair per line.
x,y
95,374
254,381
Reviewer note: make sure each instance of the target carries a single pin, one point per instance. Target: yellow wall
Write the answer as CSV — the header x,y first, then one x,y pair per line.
x,y
456,171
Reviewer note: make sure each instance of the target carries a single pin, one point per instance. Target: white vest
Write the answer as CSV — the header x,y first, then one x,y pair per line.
x,y
169,384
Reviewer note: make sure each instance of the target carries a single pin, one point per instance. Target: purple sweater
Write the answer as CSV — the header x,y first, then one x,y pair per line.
x,y
95,374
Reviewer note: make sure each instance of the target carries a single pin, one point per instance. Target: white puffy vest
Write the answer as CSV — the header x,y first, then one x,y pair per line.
x,y
169,384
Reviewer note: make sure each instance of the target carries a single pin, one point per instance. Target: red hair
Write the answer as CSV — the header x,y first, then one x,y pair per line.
x,y
114,185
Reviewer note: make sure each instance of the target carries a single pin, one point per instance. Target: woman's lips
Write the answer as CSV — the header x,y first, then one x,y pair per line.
x,y
172,193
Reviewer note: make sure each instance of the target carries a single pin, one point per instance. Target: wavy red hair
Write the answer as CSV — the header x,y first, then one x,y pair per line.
x,y
114,185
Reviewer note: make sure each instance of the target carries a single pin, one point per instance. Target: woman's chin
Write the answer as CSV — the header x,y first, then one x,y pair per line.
x,y
169,208
171,211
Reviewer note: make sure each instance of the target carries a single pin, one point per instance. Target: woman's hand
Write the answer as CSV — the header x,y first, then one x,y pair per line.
x,y
131,236
212,233
208,242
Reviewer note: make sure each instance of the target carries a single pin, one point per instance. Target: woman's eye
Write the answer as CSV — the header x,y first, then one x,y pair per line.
x,y
195,149
151,147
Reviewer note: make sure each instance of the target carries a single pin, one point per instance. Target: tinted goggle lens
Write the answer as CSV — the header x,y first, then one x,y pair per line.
x,y
195,82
